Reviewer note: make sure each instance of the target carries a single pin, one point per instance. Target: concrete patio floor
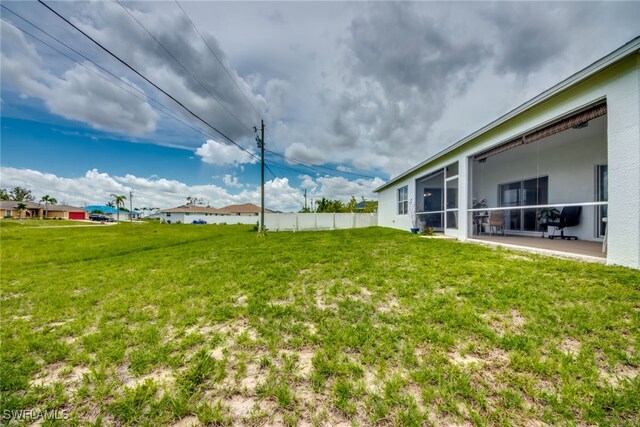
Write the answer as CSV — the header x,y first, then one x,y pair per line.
x,y
575,249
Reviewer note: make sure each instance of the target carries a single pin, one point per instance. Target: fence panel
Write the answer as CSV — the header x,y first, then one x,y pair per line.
x,y
319,221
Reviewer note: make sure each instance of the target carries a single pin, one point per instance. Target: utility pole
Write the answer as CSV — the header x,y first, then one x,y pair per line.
x,y
260,141
305,199
130,206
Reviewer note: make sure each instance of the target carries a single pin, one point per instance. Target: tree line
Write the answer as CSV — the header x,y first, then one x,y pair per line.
x,y
325,205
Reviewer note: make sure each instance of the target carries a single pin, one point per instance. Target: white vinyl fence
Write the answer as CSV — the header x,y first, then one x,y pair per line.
x,y
318,221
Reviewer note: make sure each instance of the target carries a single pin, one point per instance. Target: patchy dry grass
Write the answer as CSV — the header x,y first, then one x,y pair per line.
x,y
182,325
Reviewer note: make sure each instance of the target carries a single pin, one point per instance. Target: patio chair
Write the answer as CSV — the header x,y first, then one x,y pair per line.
x,y
496,220
569,217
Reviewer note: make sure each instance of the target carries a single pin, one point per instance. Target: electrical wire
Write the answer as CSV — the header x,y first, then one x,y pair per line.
x,y
126,64
158,107
315,168
311,165
182,66
219,60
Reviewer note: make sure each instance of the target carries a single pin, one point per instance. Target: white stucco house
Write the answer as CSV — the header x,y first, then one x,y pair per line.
x,y
576,144
233,214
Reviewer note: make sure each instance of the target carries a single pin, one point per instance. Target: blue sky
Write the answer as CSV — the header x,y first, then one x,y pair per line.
x,y
336,92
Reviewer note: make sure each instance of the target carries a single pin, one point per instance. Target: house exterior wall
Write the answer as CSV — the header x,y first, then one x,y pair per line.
x,y
189,217
619,85
56,214
388,206
27,213
624,170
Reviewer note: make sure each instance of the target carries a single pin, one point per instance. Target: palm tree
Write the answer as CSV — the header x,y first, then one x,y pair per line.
x,y
48,200
21,207
118,199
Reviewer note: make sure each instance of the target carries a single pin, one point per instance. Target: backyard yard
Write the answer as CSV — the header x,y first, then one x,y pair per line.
x,y
210,325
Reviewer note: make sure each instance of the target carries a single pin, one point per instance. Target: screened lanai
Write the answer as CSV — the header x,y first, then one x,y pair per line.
x,y
547,175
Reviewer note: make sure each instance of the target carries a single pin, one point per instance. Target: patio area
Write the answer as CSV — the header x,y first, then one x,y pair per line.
x,y
575,249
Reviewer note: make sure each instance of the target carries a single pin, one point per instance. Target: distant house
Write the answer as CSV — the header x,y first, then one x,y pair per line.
x,y
37,210
232,214
186,214
247,209
9,210
66,212
370,205
112,212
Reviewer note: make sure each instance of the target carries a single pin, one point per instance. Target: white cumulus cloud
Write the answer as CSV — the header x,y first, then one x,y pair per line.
x,y
217,153
231,181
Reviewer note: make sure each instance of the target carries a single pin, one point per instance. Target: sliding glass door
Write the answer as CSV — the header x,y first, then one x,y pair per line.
x,y
528,192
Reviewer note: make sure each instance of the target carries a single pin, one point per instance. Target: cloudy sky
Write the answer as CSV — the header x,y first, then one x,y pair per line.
x,y
351,93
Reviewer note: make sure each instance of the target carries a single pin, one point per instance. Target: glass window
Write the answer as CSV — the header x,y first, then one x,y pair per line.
x,y
431,220
452,170
403,200
432,192
452,203
452,219
452,194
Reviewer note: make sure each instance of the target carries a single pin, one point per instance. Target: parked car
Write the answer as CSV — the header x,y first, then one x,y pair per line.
x,y
101,218
199,221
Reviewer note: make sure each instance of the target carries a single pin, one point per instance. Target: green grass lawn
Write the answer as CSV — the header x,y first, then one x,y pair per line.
x,y
209,325
11,223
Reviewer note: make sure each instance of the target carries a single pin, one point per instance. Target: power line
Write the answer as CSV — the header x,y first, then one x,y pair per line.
x,y
286,166
219,60
126,64
182,65
312,166
159,106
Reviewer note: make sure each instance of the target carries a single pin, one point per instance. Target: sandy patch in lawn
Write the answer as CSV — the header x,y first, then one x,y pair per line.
x,y
254,376
391,304
240,406
370,381
615,377
159,377
321,303
241,301
10,295
304,360
204,330
69,340
60,373
187,421
464,360
311,327
241,327
502,323
281,302
570,346
217,353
